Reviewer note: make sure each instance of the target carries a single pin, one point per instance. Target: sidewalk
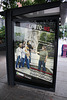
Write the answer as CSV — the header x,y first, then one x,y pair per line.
x,y
21,92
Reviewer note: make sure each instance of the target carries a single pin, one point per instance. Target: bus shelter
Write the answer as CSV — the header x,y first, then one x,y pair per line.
x,y
32,44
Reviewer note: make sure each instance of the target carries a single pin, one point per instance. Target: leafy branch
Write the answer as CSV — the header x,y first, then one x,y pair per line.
x,y
7,4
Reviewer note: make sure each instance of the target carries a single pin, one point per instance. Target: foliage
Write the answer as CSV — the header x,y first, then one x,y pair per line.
x,y
43,37
60,34
47,37
10,4
27,2
13,3
65,34
51,37
2,31
18,34
63,31
2,34
65,26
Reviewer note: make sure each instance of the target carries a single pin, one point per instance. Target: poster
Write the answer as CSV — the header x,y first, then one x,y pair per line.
x,y
34,50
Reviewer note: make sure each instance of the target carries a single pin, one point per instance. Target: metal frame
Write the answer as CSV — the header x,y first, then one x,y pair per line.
x,y
38,7
9,47
9,23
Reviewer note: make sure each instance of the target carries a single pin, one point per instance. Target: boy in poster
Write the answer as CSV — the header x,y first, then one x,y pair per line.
x,y
43,58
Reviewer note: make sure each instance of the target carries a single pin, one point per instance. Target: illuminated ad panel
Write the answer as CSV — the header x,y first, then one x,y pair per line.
x,y
34,50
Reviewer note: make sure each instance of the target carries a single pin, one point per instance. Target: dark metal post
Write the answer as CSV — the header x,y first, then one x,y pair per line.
x,y
56,52
9,47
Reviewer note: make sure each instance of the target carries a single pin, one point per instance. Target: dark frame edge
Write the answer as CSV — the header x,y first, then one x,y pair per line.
x,y
9,46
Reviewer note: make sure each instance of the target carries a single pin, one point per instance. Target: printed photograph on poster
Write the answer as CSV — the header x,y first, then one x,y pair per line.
x,y
34,49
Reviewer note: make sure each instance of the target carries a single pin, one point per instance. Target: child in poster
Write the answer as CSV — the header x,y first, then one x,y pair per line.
x,y
18,52
24,57
43,58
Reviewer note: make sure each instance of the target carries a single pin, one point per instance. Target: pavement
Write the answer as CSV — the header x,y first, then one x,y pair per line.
x,y
21,92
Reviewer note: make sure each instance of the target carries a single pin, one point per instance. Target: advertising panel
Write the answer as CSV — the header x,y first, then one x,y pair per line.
x,y
34,46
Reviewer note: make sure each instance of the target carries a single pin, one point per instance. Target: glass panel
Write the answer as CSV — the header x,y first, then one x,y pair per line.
x,y
34,50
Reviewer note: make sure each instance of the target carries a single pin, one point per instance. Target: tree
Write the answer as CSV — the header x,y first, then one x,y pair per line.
x,y
51,38
43,37
7,4
47,37
27,2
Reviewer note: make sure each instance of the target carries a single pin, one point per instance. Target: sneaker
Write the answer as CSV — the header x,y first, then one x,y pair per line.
x,y
20,67
17,67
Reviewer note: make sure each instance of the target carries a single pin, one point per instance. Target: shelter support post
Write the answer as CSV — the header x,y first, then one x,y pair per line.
x,y
9,48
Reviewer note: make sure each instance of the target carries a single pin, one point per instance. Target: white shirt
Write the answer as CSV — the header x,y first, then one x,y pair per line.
x,y
23,53
18,51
